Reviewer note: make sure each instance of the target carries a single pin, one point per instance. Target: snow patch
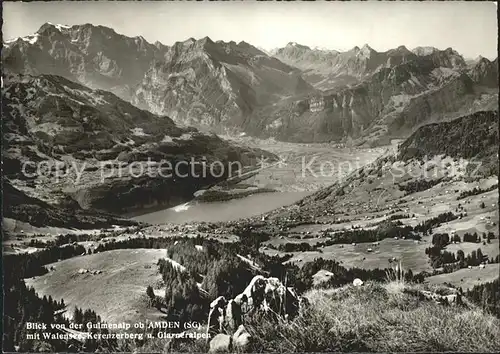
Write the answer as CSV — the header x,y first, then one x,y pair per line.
x,y
138,132
12,40
167,139
32,39
423,51
185,136
275,124
414,81
59,26
443,73
400,100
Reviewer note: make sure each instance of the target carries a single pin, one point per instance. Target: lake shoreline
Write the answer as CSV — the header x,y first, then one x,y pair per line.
x,y
225,210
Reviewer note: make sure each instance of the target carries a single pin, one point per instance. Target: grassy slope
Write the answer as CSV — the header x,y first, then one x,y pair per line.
x,y
467,278
117,294
379,318
472,137
376,317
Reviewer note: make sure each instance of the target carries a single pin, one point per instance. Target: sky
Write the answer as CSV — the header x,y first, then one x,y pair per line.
x,y
468,27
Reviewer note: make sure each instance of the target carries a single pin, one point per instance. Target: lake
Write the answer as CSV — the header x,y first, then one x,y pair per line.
x,y
223,211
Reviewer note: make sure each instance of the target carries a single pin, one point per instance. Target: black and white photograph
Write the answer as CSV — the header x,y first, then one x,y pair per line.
x,y
250,176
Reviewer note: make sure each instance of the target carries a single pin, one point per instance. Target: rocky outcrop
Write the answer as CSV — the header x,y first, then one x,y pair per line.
x,y
451,299
220,343
241,339
266,295
485,72
357,282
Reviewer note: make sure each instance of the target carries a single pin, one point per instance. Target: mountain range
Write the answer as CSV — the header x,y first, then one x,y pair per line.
x,y
293,93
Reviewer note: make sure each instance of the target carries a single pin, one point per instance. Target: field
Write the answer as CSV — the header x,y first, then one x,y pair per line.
x,y
116,294
467,278
371,198
411,255
293,173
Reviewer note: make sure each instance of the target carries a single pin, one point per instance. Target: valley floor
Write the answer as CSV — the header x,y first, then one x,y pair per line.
x,y
369,199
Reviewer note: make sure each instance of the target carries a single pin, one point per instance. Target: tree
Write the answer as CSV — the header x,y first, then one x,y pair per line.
x,y
473,258
150,292
461,258
78,315
479,255
482,206
409,275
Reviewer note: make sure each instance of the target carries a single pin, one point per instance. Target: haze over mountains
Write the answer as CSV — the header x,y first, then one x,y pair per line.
x,y
294,93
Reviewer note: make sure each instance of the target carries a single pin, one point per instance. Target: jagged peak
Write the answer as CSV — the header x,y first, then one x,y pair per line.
x,y
297,45
450,50
403,49
48,26
480,59
366,47
204,42
89,27
192,40
159,44
422,51
206,39
188,41
244,44
365,51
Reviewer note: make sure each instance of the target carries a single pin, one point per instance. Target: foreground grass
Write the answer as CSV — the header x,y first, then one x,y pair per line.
x,y
376,318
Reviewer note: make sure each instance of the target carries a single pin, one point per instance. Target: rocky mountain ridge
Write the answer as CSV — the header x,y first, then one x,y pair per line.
x,y
216,84
299,94
390,103
330,69
63,140
95,56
